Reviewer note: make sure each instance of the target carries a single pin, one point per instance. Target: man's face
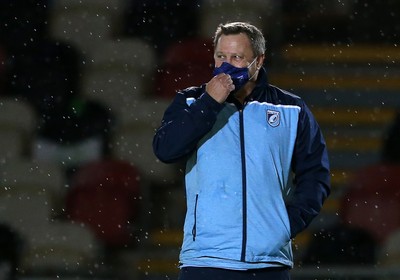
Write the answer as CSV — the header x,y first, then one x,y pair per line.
x,y
236,50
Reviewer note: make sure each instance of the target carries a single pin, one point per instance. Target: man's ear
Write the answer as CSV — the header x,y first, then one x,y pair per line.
x,y
260,61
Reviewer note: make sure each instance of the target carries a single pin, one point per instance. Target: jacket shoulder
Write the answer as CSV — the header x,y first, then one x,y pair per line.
x,y
280,96
192,92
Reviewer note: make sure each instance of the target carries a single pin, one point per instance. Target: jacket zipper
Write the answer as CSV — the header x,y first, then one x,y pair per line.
x,y
244,186
195,218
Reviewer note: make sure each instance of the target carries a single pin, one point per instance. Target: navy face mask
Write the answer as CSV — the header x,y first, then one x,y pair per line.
x,y
239,75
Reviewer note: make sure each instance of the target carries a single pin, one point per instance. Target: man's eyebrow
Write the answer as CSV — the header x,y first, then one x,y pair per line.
x,y
233,54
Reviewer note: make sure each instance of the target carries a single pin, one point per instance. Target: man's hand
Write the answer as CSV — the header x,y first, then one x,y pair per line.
x,y
219,87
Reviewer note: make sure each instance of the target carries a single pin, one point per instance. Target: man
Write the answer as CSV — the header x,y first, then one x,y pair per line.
x,y
241,139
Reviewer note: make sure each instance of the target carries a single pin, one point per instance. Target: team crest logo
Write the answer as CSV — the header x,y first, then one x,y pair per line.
x,y
273,118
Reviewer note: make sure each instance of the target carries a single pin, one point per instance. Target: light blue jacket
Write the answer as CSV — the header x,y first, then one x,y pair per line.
x,y
239,161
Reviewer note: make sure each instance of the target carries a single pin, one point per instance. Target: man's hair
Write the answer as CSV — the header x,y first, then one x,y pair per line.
x,y
255,35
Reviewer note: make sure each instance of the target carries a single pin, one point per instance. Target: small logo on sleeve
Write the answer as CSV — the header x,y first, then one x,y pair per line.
x,y
273,118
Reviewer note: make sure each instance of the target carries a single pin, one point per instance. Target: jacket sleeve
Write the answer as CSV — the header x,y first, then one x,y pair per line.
x,y
310,165
183,126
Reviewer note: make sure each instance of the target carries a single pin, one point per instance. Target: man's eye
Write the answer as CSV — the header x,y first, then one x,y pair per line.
x,y
237,58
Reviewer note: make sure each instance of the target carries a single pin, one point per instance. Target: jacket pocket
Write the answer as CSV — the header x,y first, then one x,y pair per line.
x,y
195,218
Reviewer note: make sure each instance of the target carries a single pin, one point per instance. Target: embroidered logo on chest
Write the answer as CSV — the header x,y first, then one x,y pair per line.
x,y
273,118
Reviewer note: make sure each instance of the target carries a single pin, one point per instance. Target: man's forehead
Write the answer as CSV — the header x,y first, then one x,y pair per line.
x,y
234,44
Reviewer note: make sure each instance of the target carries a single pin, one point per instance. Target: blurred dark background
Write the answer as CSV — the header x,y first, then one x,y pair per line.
x,y
84,84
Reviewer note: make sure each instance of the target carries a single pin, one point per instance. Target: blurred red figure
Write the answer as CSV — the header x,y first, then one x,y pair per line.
x,y
104,195
180,61
373,199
